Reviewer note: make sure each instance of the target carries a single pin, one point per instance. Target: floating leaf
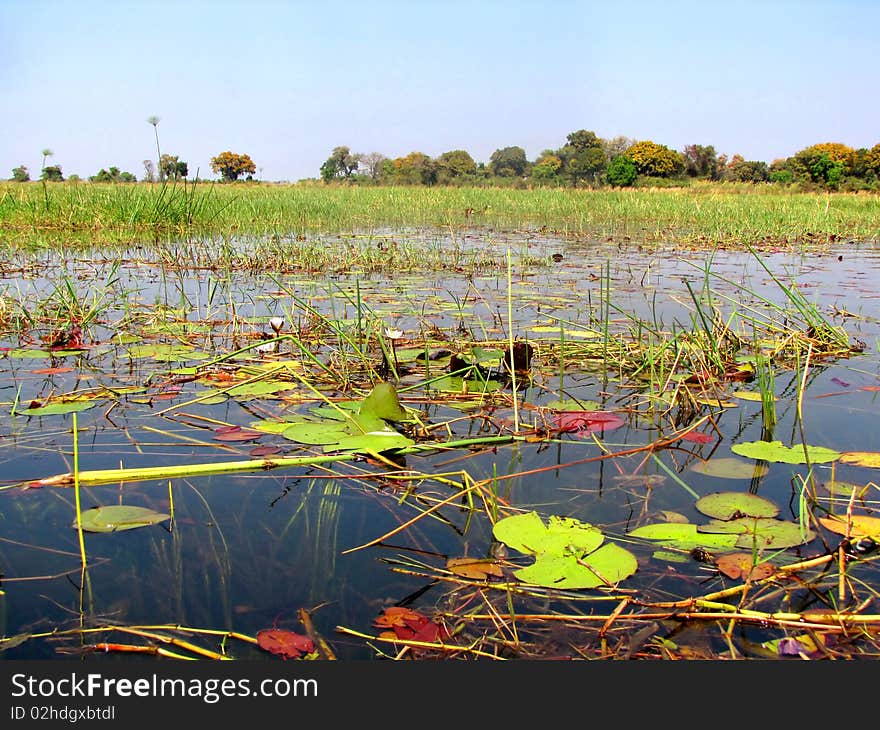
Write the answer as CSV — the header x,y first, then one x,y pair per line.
x,y
870,459
728,505
698,437
837,487
236,433
26,353
383,402
858,526
115,518
259,387
752,395
586,422
670,516
603,567
375,441
682,536
58,408
728,467
528,534
52,371
775,451
761,532
476,568
736,565
286,644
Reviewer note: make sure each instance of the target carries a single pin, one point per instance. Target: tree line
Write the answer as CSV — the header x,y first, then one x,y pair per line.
x,y
587,160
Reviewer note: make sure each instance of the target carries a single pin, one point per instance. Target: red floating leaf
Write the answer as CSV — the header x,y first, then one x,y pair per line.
x,y
52,371
264,450
286,644
397,616
586,421
698,437
236,433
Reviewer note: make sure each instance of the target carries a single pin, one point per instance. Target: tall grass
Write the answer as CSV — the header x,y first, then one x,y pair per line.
x,y
709,214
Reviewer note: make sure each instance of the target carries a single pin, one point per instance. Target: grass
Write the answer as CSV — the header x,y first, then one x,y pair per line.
x,y
709,214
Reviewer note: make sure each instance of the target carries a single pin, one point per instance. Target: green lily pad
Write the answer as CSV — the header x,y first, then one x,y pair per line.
x,y
682,536
259,387
528,534
383,402
116,518
727,505
605,566
761,532
377,441
728,467
167,353
58,408
775,451
26,353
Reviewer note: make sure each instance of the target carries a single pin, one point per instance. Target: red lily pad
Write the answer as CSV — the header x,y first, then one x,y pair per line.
x,y
236,433
586,422
286,644
698,437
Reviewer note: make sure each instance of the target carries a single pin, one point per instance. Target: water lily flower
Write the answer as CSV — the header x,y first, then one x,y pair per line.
x,y
393,334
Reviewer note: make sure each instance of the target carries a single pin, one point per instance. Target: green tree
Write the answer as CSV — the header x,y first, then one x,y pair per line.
x,y
583,158
547,166
455,166
655,160
824,164
508,162
52,173
700,161
20,174
741,170
230,165
416,168
621,171
171,167
341,164
113,175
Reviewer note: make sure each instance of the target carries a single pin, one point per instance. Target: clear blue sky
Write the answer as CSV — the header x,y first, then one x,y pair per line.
x,y
285,82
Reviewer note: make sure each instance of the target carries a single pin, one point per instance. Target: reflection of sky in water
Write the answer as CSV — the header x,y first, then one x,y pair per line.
x,y
250,548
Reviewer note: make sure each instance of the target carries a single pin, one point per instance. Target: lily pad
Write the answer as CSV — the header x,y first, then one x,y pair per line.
x,y
527,533
115,518
728,467
474,568
603,567
870,459
737,565
682,536
58,408
383,402
775,451
761,532
859,526
728,505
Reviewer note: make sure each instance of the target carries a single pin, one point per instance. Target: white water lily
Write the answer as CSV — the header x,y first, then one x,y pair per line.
x,y
393,334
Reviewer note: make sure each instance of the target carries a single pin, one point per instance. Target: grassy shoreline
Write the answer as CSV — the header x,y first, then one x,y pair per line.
x,y
711,214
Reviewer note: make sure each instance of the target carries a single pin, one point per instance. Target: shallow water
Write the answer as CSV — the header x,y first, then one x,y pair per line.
x,y
246,551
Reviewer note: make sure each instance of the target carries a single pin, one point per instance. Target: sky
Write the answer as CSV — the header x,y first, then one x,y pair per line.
x,y
286,82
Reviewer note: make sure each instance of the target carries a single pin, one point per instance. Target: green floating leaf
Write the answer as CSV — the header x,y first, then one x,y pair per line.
x,y
606,566
259,387
761,532
682,536
167,353
727,505
25,353
57,409
775,451
383,402
377,441
115,518
728,467
569,404
527,533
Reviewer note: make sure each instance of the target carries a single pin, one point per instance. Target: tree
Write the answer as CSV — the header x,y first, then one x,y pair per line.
x,y
170,166
583,158
230,166
547,166
741,170
149,171
416,168
616,147
700,161
113,175
825,163
621,171
655,160
154,120
340,164
872,160
52,173
508,162
454,165
372,162
20,174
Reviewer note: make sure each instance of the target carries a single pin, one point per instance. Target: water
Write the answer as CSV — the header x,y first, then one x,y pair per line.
x,y
246,552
